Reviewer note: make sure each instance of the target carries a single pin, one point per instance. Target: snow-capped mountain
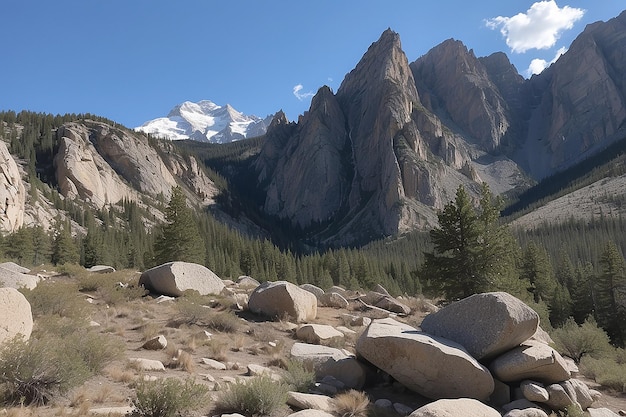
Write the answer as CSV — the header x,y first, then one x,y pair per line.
x,y
206,121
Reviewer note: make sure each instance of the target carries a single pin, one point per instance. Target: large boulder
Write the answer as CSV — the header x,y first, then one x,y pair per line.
x,y
532,360
485,324
328,361
173,278
429,365
16,316
11,278
282,298
465,407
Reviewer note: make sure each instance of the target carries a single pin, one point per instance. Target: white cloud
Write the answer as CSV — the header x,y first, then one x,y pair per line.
x,y
301,96
539,28
538,65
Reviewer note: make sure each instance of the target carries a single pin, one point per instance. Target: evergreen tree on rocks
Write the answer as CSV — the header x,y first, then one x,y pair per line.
x,y
180,239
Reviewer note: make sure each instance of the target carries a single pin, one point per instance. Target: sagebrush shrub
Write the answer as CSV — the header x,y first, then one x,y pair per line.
x,y
298,376
259,396
169,397
34,371
57,298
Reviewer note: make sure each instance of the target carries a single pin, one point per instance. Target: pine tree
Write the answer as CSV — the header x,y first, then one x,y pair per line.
x,y
536,268
472,252
180,239
611,292
583,293
64,249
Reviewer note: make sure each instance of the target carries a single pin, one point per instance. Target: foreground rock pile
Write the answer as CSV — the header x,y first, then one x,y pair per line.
x,y
481,348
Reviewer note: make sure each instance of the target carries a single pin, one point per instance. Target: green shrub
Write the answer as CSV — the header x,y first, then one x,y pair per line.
x,y
223,321
192,308
259,396
94,349
113,288
585,340
169,397
298,376
57,298
34,371
606,372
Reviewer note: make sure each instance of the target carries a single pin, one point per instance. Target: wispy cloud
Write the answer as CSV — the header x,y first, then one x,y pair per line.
x,y
297,91
539,28
538,65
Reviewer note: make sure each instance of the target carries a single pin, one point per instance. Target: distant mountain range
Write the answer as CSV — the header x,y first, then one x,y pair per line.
x,y
206,121
377,158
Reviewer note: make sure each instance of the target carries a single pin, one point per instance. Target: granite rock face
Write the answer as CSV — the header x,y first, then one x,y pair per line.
x,y
12,192
102,164
459,85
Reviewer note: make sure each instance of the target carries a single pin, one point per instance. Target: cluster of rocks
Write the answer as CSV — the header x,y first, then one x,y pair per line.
x,y
485,349
478,351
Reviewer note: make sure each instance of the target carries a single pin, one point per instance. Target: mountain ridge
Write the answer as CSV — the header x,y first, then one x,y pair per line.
x,y
378,157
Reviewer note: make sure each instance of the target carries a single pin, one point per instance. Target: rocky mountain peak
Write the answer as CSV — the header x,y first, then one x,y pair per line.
x,y
459,89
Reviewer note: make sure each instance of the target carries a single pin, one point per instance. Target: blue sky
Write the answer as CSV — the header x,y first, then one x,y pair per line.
x,y
133,60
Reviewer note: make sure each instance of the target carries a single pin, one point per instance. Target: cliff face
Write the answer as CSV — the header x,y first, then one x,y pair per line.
x,y
12,193
102,165
582,101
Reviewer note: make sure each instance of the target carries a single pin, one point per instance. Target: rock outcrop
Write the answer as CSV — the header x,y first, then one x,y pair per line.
x,y
329,361
457,84
103,164
16,317
466,407
12,193
531,360
581,101
370,160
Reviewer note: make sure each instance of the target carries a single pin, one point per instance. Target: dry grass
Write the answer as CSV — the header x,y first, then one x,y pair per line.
x,y
149,330
351,404
19,412
121,375
180,359
218,349
103,394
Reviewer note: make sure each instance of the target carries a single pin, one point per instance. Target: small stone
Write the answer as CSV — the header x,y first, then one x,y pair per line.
x,y
156,343
213,364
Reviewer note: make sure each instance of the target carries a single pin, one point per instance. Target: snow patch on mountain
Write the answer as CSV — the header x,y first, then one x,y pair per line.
x,y
206,121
